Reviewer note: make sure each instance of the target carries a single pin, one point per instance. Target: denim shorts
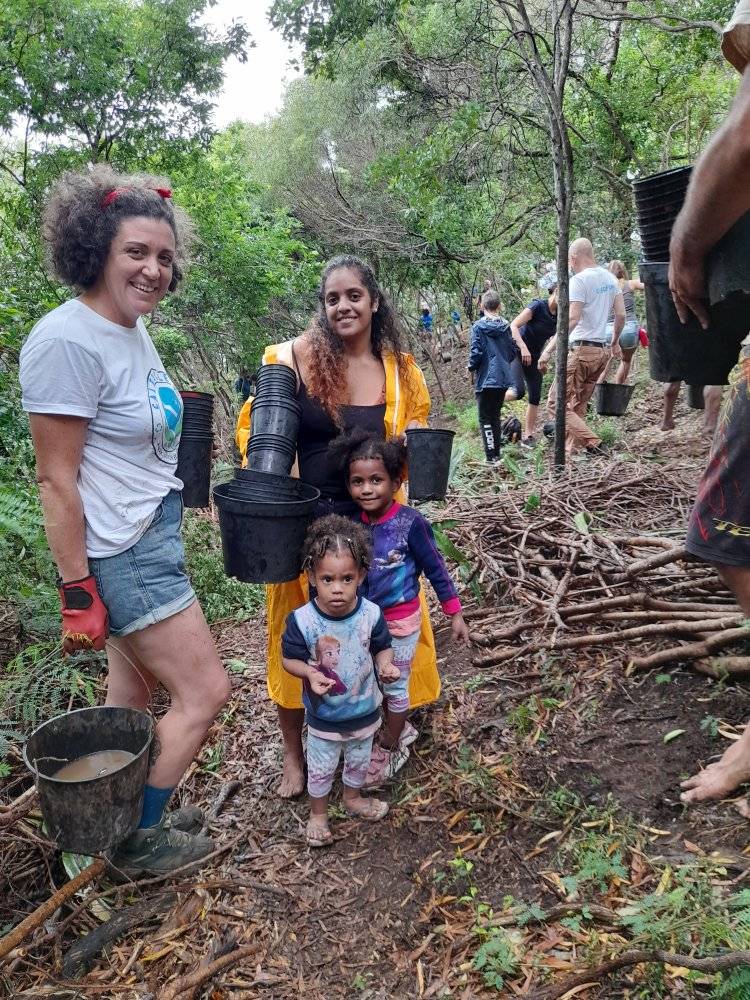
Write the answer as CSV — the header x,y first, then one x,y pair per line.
x,y
628,338
147,583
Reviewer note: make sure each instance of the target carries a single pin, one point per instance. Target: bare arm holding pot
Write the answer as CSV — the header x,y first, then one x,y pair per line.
x,y
718,195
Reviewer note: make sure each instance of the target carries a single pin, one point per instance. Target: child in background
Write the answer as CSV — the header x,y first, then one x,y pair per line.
x,y
403,548
330,643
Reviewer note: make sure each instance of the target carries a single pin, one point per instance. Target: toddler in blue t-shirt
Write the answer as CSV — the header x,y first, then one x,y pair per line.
x,y
334,643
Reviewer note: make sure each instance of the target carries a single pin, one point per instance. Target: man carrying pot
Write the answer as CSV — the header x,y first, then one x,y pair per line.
x,y
594,294
719,527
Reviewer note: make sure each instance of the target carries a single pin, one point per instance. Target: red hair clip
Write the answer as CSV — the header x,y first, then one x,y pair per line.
x,y
116,192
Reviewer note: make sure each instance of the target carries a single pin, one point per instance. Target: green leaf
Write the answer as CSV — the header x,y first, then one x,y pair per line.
x,y
582,520
673,735
236,666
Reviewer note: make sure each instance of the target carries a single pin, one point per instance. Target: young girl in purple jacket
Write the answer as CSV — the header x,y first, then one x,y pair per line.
x,y
403,548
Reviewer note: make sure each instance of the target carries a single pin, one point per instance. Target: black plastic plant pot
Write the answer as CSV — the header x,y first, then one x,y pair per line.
x,y
687,353
261,539
695,397
429,456
655,252
266,460
278,417
193,394
676,179
728,270
611,399
282,487
93,815
279,376
194,468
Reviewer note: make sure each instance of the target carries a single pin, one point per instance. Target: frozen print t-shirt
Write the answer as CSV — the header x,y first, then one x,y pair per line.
x,y
346,646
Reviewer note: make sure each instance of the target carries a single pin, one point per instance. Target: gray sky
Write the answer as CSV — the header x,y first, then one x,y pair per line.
x,y
254,89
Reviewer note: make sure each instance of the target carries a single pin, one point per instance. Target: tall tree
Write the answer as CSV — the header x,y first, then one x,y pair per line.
x,y
109,76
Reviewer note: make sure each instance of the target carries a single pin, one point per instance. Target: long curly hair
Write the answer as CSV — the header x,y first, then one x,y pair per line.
x,y
79,222
327,367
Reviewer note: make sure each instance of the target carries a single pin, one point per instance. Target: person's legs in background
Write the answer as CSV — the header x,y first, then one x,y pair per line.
x,y
712,404
670,393
489,405
623,370
585,366
628,345
533,378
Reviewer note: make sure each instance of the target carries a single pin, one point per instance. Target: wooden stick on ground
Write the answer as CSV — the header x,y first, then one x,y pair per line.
x,y
691,650
86,948
11,813
40,914
724,666
638,632
189,982
678,553
710,963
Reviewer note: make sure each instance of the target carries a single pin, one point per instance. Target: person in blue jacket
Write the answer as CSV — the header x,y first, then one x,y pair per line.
x,y
491,357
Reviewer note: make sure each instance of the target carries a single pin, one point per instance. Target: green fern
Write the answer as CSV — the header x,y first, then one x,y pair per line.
x,y
734,985
40,683
21,516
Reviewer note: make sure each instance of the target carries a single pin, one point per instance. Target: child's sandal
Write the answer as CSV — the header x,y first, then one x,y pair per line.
x,y
374,810
317,834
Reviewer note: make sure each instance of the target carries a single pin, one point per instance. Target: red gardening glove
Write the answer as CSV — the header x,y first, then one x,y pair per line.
x,y
85,620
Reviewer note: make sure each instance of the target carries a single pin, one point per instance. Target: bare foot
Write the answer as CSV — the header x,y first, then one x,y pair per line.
x,y
372,809
317,833
743,808
720,779
292,781
667,425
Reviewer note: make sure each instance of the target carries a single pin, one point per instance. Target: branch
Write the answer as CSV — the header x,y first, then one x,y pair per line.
x,y
710,964
691,650
40,914
189,982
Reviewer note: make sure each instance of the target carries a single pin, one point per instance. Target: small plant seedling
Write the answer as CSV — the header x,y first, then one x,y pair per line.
x,y
710,724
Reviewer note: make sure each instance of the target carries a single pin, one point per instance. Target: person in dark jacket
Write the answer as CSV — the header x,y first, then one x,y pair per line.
x,y
490,359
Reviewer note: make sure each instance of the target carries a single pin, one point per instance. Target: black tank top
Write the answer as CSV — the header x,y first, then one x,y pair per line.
x,y
317,430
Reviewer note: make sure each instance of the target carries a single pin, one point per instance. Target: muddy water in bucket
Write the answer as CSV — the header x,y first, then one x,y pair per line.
x,y
93,765
85,812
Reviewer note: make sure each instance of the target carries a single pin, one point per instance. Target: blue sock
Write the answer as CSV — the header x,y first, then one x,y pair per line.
x,y
154,800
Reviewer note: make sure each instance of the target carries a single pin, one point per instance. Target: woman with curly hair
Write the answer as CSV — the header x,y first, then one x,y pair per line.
x,y
105,421
352,372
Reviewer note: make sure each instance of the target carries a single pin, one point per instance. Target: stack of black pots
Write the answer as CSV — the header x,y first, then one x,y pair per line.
x,y
685,352
658,200
274,420
263,519
196,445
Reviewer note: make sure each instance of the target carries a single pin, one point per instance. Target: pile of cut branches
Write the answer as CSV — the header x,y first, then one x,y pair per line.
x,y
593,558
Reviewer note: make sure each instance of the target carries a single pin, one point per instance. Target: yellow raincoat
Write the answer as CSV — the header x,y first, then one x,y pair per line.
x,y
404,401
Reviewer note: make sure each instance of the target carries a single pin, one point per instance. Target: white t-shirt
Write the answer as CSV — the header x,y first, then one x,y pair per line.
x,y
596,288
77,363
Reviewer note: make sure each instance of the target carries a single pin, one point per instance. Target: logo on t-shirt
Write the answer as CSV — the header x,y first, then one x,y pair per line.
x,y
166,416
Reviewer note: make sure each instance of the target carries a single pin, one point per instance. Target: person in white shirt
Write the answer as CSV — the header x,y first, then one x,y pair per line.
x,y
594,294
105,422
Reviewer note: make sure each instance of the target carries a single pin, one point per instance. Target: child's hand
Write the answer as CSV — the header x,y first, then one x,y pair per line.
x,y
319,683
389,672
459,629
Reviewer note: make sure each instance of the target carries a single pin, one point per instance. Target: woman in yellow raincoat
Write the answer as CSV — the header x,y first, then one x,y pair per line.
x,y
351,372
